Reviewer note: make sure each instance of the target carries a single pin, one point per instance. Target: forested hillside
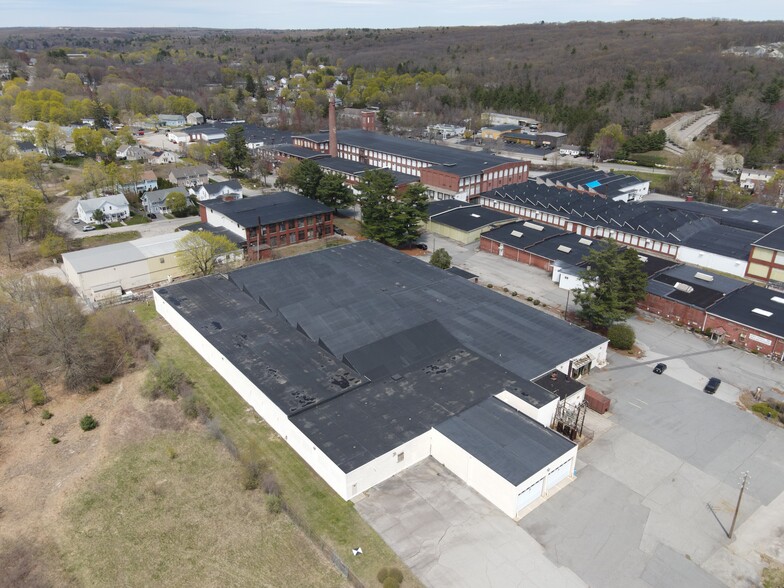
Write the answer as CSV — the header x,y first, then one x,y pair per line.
x,y
577,77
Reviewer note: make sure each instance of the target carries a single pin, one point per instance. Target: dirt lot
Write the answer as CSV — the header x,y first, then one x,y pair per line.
x,y
133,501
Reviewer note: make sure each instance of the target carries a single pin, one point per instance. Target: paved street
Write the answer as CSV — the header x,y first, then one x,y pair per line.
x,y
655,491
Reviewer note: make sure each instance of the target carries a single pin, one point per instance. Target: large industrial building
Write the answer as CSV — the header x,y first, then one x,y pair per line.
x,y
367,361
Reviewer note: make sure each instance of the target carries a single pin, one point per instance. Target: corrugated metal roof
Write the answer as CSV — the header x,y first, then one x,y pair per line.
x,y
96,258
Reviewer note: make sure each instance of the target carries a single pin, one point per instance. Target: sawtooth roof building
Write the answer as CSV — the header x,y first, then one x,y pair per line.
x,y
367,361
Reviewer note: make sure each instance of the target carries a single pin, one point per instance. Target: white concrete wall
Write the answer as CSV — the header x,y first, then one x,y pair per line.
x,y
216,219
543,415
474,473
598,356
720,263
263,406
387,465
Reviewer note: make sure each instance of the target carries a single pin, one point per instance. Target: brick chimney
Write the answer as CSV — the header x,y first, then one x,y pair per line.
x,y
333,128
368,120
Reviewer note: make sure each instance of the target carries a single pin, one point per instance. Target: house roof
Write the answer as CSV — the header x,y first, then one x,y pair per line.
x,y
271,208
505,440
117,254
470,218
215,188
385,348
93,204
190,172
155,196
755,307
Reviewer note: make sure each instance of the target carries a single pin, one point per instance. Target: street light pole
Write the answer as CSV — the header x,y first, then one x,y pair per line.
x,y
737,506
566,310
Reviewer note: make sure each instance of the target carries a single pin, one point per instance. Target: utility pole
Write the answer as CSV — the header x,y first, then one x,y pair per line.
x,y
737,507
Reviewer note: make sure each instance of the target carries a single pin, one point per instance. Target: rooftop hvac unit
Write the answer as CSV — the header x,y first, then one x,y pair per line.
x,y
475,215
777,299
533,226
564,249
703,277
642,258
587,242
765,313
684,287
517,234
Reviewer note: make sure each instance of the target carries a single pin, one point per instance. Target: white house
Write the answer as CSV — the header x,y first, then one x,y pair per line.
x,y
178,137
132,153
148,181
154,202
753,179
163,157
171,120
195,118
114,208
217,189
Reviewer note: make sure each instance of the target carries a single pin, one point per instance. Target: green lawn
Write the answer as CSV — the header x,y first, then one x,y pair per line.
x,y
137,219
306,494
108,239
171,511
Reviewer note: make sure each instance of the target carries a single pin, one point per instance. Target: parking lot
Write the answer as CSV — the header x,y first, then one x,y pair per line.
x,y
655,491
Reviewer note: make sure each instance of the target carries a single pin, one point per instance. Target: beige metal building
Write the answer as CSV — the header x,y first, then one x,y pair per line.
x,y
110,271
464,224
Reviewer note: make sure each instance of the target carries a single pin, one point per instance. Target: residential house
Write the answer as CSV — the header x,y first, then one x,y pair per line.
x,y
189,177
178,137
195,118
154,202
113,207
217,190
22,147
755,179
132,153
573,150
171,120
163,157
146,182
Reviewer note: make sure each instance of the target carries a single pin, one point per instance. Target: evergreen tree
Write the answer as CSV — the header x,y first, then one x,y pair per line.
x,y
614,283
250,85
386,219
237,155
333,192
307,177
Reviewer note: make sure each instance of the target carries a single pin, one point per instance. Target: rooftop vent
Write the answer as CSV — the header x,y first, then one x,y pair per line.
x,y
587,242
724,210
755,221
703,277
517,234
777,299
642,258
564,249
475,215
533,226
684,287
765,313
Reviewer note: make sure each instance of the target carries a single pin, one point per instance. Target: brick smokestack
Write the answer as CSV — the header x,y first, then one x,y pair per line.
x,y
333,128
368,120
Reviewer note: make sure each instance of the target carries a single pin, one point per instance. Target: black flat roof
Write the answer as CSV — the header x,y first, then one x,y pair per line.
x,y
270,208
773,240
366,347
461,273
469,218
505,440
566,248
195,227
754,307
559,384
437,206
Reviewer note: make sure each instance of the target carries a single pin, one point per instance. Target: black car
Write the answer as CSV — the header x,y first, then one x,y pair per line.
x,y
712,385
339,231
152,215
422,246
660,367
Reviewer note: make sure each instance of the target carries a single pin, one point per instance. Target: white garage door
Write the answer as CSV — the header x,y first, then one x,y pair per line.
x,y
558,474
530,494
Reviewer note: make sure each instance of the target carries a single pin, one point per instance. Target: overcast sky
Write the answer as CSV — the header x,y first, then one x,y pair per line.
x,y
316,14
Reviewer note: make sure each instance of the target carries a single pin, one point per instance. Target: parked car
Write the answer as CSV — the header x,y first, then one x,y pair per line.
x,y
660,367
87,228
76,221
712,385
422,246
151,215
339,231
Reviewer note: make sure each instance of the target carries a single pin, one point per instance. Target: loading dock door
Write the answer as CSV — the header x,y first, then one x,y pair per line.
x,y
558,474
528,495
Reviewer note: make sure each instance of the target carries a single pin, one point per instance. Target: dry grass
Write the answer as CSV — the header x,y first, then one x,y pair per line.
x,y
152,519
352,226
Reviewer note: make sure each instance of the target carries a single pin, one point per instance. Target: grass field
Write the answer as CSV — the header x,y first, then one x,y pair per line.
x,y
350,225
171,511
306,494
108,239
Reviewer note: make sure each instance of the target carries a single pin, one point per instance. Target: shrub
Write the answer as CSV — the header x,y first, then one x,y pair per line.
x,y
194,408
55,440
441,258
269,483
274,504
252,472
107,379
164,379
88,422
390,577
36,394
530,299
490,286
763,409
391,582
52,245
537,302
514,293
382,575
506,289
621,336
171,452
46,415
396,574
